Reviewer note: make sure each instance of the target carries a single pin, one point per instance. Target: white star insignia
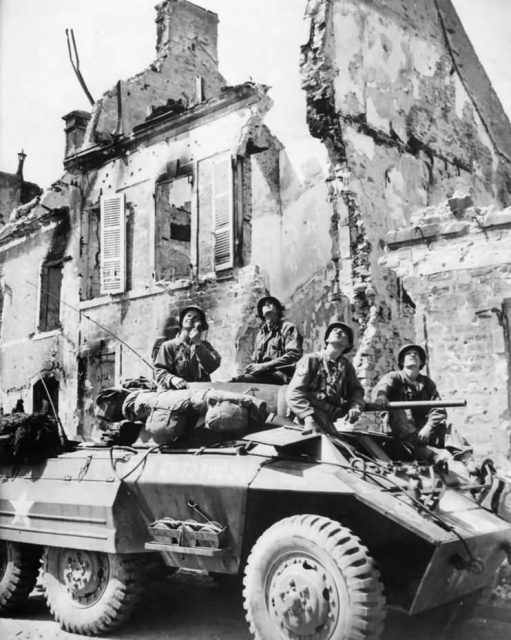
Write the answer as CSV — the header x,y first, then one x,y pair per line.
x,y
21,508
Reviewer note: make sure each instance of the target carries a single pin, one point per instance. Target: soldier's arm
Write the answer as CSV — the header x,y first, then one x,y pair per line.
x,y
257,347
292,349
209,358
164,367
299,388
355,387
438,415
382,391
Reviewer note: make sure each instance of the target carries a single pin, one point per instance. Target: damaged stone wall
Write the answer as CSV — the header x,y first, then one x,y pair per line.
x,y
145,321
186,50
9,195
104,338
14,191
36,235
160,280
459,275
409,119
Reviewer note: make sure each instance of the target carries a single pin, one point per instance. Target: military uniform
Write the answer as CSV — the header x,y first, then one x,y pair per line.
x,y
406,423
325,389
191,362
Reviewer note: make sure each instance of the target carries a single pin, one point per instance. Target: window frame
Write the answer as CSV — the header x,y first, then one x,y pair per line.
x,y
109,263
43,328
219,226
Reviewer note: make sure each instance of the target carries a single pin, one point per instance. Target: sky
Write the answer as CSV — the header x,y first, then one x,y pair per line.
x,y
258,40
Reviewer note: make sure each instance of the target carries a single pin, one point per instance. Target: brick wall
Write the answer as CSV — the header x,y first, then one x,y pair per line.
x,y
461,286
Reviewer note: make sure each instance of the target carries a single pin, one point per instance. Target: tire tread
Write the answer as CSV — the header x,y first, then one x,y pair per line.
x,y
367,599
106,616
23,567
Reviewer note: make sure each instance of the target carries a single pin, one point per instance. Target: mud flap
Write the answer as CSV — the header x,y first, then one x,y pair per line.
x,y
452,574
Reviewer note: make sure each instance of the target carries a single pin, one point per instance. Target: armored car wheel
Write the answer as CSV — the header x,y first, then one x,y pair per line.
x,y
309,578
91,592
19,566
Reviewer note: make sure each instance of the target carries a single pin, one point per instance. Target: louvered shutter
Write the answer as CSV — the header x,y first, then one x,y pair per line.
x,y
223,223
113,244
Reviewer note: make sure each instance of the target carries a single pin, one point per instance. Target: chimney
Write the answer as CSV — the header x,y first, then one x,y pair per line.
x,y
182,26
21,161
76,124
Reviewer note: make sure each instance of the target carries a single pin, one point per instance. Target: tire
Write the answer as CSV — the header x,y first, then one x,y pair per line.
x,y
308,577
91,592
19,566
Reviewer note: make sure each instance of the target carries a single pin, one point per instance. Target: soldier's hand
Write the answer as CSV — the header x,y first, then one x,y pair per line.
x,y
354,414
179,383
424,435
381,402
195,335
255,367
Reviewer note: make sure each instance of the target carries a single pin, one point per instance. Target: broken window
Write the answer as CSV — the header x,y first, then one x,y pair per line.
x,y
49,307
89,253
96,371
173,202
112,245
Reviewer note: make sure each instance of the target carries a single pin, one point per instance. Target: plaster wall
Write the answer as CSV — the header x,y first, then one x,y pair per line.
x,y
25,352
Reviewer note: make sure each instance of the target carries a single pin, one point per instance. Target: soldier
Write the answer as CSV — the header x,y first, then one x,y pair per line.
x,y
325,386
418,426
277,348
188,357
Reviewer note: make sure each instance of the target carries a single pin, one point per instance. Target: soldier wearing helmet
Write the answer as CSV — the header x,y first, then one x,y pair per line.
x,y
277,347
325,386
188,357
417,426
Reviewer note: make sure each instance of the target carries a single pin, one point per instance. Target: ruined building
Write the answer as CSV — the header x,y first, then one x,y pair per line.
x,y
175,191
172,194
420,152
15,190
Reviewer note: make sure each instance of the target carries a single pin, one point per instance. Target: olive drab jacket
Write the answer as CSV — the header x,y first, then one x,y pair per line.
x,y
405,423
191,362
324,388
280,344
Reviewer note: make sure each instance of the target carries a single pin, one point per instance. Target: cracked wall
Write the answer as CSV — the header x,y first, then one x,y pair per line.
x,y
409,119
43,233
459,275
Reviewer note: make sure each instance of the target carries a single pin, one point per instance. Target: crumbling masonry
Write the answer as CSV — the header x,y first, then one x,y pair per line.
x,y
420,153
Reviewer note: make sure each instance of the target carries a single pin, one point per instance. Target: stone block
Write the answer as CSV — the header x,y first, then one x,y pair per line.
x,y
411,235
497,218
459,205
